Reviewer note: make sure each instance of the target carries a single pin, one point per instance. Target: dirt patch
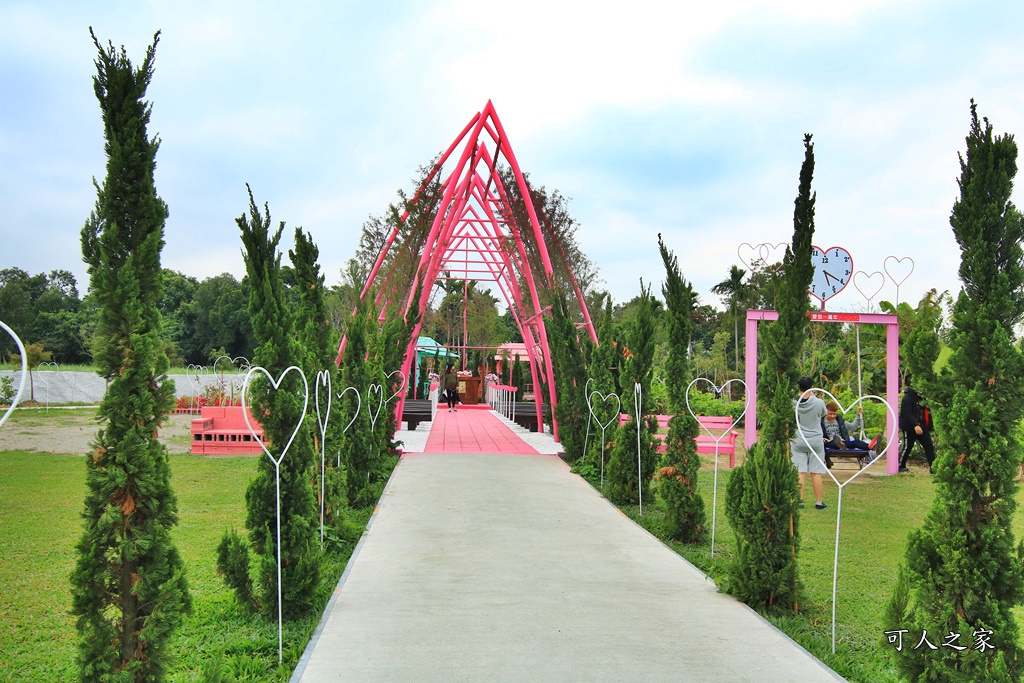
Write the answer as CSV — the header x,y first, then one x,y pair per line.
x,y
70,432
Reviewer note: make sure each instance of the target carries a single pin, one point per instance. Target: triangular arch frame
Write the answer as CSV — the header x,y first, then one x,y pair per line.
x,y
475,219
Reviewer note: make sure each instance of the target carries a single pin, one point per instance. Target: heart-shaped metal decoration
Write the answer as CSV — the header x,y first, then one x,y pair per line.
x,y
718,392
370,392
605,399
398,391
868,282
274,384
772,255
194,374
748,255
833,270
24,373
903,267
891,438
218,359
359,405
323,379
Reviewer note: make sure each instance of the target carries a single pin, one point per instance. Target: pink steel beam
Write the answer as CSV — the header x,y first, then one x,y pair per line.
x,y
533,291
466,224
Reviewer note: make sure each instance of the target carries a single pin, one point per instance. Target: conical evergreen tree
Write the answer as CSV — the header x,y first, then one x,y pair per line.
x,y
317,340
395,336
761,502
318,346
570,377
964,567
128,586
360,450
676,479
278,411
627,481
605,411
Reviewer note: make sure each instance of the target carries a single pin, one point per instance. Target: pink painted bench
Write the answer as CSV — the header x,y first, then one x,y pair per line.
x,y
705,442
221,430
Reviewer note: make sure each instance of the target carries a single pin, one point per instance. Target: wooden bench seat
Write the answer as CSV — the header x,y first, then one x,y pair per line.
x,y
859,456
526,415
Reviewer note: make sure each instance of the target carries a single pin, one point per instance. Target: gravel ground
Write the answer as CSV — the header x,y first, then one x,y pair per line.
x,y
70,430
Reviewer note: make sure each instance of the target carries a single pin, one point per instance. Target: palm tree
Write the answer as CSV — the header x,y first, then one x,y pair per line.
x,y
734,289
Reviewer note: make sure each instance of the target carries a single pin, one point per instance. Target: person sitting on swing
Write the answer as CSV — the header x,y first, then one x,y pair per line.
x,y
835,430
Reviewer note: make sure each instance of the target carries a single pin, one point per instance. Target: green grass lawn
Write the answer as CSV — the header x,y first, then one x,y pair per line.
x,y
878,513
41,498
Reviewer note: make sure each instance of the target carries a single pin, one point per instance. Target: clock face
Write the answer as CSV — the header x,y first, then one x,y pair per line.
x,y
833,270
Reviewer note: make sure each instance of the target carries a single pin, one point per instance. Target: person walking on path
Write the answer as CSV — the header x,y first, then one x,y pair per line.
x,y
808,451
915,421
450,382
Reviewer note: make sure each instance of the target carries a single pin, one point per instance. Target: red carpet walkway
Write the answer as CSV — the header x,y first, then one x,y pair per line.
x,y
473,430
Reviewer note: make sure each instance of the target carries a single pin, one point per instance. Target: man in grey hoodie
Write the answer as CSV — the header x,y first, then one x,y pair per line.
x,y
809,411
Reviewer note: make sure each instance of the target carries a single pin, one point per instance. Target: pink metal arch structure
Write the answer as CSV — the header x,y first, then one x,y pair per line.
x,y
475,236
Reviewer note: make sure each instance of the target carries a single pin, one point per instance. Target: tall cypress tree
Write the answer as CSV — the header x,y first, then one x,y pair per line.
x,y
676,479
318,346
395,337
570,376
128,586
761,502
360,450
626,481
317,340
604,384
964,568
278,411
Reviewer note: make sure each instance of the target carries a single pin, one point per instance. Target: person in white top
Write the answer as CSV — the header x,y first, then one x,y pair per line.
x,y
809,413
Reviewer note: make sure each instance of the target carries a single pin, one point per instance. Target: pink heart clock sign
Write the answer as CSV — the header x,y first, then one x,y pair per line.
x,y
833,270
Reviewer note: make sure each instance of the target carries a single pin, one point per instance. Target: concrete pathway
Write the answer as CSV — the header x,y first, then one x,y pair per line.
x,y
511,568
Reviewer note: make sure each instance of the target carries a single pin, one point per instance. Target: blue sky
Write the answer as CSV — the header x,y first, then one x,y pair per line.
x,y
676,117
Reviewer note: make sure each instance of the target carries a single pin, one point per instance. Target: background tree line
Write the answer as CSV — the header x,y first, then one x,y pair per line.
x,y
203,319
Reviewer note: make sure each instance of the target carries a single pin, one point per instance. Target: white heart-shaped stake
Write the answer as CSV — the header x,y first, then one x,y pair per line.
x,y
890,441
718,440
833,270
718,392
46,382
873,282
277,470
605,398
370,390
903,266
748,254
399,390
24,373
194,373
839,506
323,379
275,384
359,405
219,359
772,255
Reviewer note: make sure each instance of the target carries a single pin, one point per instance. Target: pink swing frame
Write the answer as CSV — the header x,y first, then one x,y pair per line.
x,y
892,380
